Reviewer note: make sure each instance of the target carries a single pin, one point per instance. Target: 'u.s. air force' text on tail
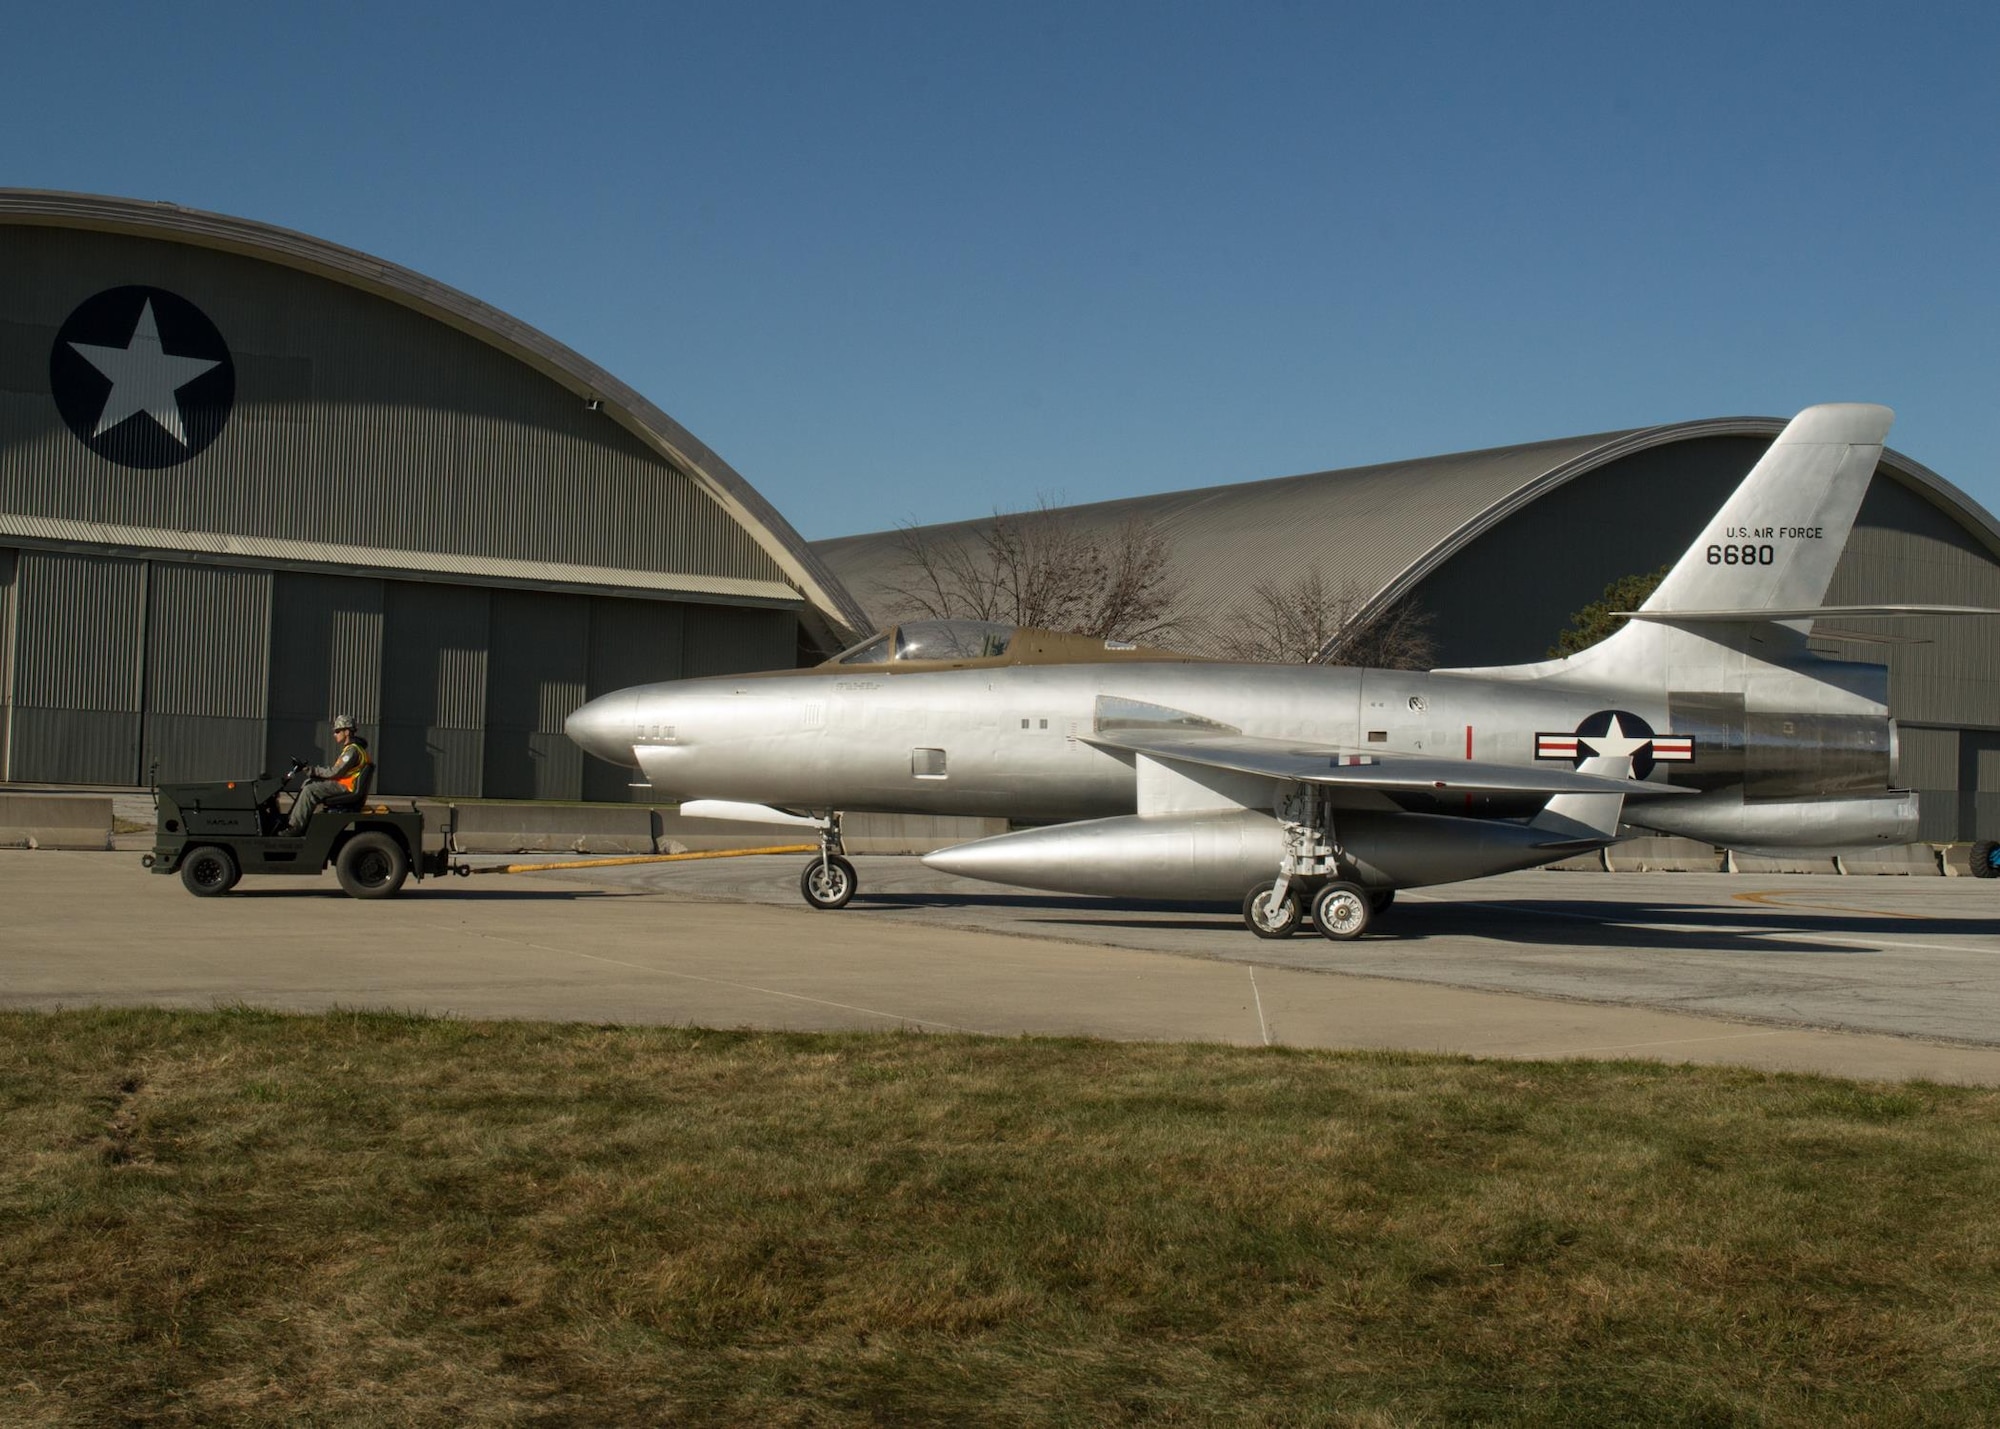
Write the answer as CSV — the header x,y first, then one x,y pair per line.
x,y
1301,788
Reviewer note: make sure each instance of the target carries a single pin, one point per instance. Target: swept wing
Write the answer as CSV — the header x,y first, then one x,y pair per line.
x,y
1324,764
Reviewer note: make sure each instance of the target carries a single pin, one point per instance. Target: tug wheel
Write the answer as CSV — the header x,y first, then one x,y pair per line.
x,y
209,871
828,883
1341,911
1269,920
372,865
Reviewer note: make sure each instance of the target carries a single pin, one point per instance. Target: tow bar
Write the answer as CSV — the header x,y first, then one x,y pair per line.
x,y
465,869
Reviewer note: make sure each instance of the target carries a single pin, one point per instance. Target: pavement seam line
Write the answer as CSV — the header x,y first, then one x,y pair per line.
x,y
1262,1026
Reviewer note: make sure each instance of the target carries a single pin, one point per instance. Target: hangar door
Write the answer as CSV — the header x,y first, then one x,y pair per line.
x,y
120,672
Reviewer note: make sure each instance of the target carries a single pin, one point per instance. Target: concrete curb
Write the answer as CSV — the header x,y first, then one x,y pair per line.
x,y
64,821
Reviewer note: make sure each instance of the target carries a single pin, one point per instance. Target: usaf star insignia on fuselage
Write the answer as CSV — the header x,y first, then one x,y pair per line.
x,y
1296,787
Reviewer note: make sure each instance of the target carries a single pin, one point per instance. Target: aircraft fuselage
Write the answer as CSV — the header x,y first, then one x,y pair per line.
x,y
1010,742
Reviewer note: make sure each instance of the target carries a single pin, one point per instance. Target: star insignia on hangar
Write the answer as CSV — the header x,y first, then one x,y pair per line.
x,y
142,377
1617,734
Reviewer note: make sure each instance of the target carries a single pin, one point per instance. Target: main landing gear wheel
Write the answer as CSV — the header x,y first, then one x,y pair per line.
x,y
372,865
1986,860
1341,911
209,871
828,882
1272,920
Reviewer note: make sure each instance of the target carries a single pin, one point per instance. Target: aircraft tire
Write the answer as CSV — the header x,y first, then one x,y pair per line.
x,y
209,871
372,865
1259,900
1983,856
1379,900
828,884
1341,911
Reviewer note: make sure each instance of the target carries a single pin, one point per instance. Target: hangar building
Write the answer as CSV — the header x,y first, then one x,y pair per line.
x,y
1502,547
249,479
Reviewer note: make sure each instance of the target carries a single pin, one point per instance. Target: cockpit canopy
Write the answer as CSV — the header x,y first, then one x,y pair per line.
x,y
947,644
932,640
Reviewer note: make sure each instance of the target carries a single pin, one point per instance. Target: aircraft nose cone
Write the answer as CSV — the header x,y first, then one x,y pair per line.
x,y
604,728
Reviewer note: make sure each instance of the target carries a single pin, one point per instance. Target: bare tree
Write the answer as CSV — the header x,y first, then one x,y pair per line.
x,y
1305,621
1039,568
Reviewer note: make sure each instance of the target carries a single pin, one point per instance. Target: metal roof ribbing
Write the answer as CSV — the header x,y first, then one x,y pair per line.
x,y
1367,525
1383,528
285,247
230,548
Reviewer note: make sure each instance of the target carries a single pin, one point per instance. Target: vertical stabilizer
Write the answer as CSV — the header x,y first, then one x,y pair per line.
x,y
1773,546
1776,540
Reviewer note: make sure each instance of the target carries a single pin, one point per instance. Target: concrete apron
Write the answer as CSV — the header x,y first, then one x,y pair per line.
x,y
89,931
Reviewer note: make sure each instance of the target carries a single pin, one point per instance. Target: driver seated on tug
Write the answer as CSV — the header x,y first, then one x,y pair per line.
x,y
341,784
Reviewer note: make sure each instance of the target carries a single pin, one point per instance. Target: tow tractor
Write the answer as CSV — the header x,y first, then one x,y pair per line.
x,y
213,834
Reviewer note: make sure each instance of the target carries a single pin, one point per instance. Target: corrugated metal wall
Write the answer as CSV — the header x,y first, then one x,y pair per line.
x,y
356,421
208,634
434,686
78,669
8,560
1929,763
1944,674
216,672
537,671
326,659
1979,769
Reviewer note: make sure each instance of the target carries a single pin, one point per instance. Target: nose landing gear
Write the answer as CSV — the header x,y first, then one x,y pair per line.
x,y
828,881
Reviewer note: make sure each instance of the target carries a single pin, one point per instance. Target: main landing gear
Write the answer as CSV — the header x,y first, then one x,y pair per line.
x,y
1340,910
1310,869
828,881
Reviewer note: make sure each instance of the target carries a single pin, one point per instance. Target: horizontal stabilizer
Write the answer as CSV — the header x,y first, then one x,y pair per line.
x,y
1320,764
1845,612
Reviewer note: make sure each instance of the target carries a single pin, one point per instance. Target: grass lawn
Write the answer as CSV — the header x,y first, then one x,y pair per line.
x,y
240,1217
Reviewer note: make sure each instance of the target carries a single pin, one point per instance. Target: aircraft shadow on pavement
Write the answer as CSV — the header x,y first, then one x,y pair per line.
x,y
1051,901
1705,927
1595,924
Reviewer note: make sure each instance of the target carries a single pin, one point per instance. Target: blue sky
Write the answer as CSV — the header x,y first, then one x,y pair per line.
x,y
918,262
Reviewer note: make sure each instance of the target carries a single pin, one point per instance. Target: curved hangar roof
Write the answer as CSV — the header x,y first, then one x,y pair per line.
x,y
480,448
1502,545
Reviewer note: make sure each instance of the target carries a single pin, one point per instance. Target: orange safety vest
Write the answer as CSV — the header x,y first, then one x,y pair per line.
x,y
351,780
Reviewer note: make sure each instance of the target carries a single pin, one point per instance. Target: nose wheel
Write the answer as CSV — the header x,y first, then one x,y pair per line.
x,y
828,882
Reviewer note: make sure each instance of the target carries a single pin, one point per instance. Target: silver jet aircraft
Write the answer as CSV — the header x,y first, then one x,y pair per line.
x,y
1326,789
